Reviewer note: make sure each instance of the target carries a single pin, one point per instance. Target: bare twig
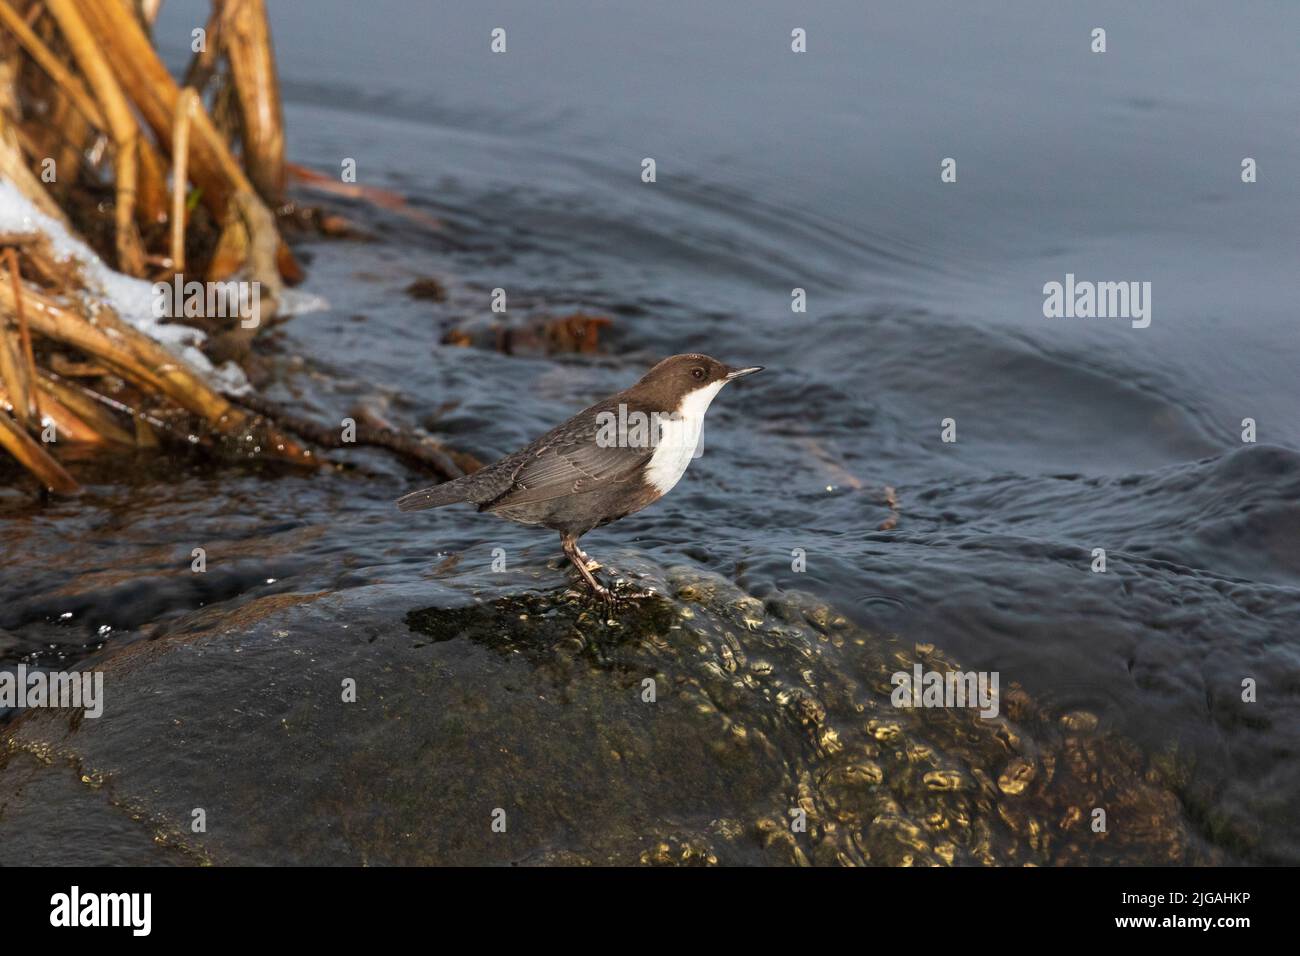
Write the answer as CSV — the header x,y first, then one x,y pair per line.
x,y
421,449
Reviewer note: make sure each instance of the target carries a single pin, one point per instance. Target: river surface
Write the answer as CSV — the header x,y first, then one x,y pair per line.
x,y
827,538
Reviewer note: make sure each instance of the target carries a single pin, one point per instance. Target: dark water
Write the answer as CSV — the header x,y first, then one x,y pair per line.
x,y
481,690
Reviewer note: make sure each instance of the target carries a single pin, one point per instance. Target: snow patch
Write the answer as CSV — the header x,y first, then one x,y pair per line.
x,y
130,298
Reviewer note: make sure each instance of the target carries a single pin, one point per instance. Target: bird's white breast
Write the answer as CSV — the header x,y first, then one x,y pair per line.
x,y
679,436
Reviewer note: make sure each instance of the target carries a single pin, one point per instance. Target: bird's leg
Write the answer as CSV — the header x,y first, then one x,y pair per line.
x,y
586,565
591,563
574,553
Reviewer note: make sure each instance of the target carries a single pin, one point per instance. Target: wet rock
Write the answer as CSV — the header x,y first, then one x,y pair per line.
x,y
578,332
427,289
702,727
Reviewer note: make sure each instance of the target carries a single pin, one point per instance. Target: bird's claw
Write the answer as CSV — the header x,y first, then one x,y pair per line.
x,y
635,594
613,600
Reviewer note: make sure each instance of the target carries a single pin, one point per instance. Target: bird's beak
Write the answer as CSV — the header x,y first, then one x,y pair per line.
x,y
736,373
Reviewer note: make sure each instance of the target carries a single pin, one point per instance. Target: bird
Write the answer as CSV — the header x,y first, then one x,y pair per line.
x,y
606,462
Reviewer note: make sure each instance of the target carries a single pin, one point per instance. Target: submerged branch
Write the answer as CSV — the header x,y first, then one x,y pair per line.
x,y
421,449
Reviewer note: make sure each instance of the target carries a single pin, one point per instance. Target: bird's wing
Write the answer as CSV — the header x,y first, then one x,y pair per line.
x,y
569,461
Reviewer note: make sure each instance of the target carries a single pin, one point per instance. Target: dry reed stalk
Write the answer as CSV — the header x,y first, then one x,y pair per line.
x,y
203,64
114,82
34,458
33,408
61,365
103,413
154,198
69,139
68,426
63,78
185,106
71,90
150,366
13,375
51,320
155,94
121,125
145,436
14,168
41,260
88,406
246,37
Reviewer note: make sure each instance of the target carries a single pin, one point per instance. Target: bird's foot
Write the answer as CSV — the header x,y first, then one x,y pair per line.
x,y
613,600
602,597
635,594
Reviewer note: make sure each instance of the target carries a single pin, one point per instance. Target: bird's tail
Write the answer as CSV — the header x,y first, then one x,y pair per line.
x,y
447,493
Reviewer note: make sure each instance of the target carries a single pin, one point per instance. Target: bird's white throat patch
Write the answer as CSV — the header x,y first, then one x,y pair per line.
x,y
679,438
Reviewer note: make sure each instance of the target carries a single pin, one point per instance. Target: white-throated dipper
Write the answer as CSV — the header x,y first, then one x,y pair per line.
x,y
606,462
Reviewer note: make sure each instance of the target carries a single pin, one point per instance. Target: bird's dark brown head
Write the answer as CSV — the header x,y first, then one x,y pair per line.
x,y
676,377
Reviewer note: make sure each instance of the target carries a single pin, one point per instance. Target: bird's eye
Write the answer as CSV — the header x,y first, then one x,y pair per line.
x,y
697,373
